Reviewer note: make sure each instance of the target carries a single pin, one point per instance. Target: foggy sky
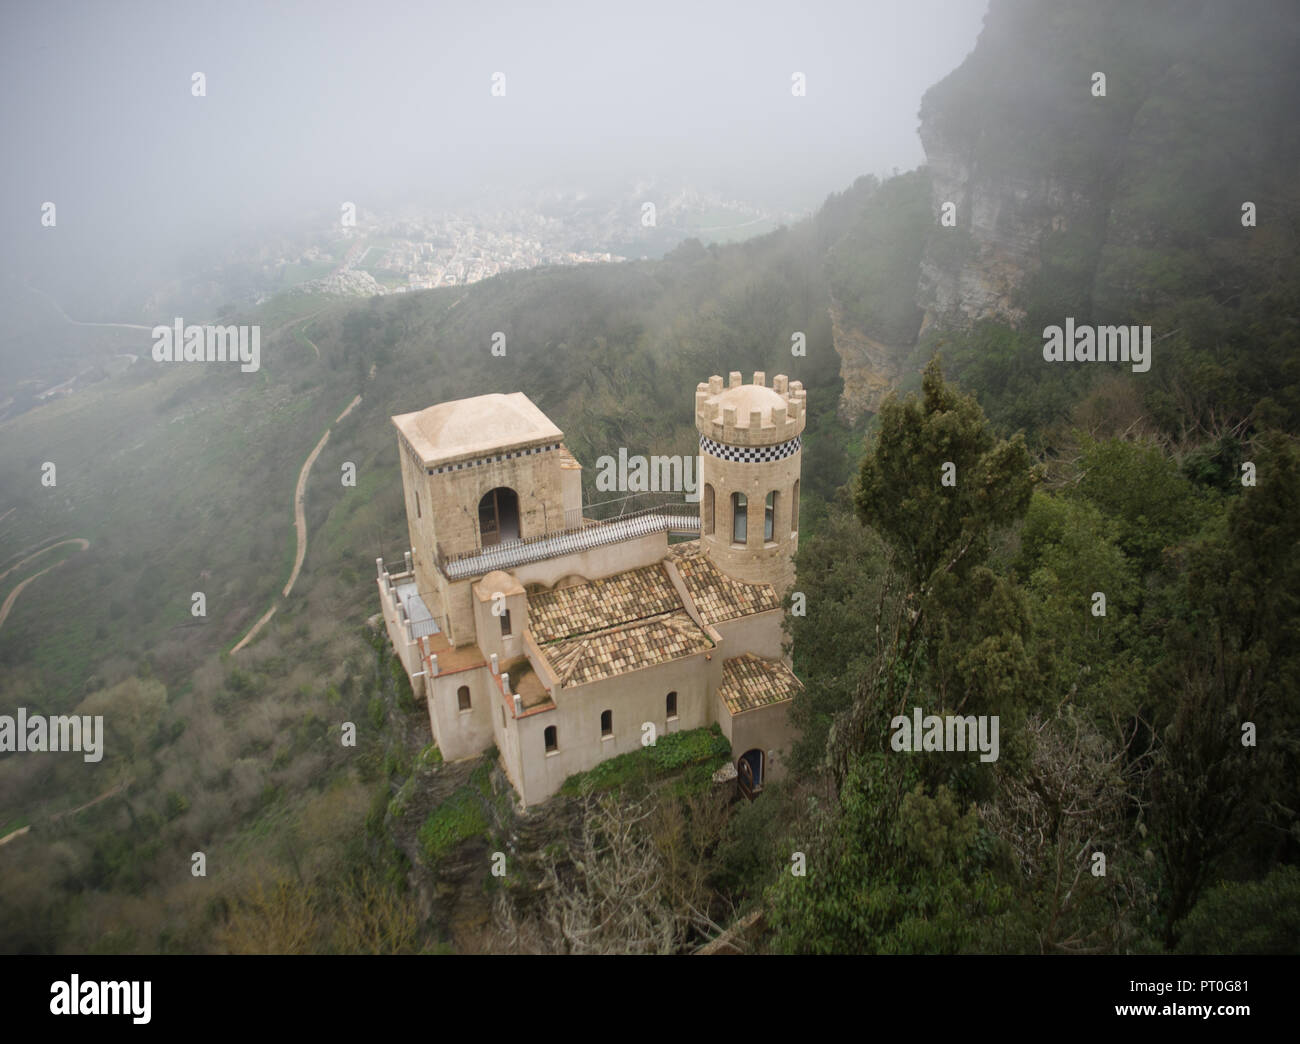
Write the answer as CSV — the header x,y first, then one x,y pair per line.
x,y
311,104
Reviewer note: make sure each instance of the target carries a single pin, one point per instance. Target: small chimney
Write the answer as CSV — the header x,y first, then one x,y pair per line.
x,y
505,682
433,664
495,669
519,705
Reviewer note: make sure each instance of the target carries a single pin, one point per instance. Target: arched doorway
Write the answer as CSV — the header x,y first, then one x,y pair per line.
x,y
749,772
498,516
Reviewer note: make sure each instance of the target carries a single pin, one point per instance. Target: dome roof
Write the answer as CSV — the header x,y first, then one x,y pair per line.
x,y
754,414
498,582
750,397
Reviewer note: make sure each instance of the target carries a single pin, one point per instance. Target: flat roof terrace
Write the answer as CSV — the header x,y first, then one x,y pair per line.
x,y
670,518
451,657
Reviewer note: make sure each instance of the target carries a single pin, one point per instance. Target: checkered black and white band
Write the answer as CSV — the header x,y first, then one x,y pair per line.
x,y
493,459
750,454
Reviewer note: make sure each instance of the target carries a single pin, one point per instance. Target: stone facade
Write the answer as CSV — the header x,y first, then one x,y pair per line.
x,y
750,451
567,659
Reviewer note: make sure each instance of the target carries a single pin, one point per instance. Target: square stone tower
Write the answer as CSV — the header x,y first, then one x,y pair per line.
x,y
476,473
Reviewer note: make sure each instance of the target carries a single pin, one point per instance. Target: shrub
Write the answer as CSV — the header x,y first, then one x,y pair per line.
x,y
457,819
670,753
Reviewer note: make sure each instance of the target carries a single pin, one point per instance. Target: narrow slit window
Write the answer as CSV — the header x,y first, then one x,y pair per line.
x,y
505,624
708,510
607,723
769,517
671,704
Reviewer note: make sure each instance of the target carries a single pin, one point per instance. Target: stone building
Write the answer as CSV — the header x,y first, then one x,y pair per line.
x,y
562,639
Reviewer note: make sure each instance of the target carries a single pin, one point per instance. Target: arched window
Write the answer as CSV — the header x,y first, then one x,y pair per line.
x,y
706,514
739,509
794,508
498,516
670,705
462,697
607,723
769,517
551,742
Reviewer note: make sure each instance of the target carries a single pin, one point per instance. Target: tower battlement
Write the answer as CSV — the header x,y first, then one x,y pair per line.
x,y
750,414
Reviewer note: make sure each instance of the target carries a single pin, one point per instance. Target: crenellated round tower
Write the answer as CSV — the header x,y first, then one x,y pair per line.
x,y
750,456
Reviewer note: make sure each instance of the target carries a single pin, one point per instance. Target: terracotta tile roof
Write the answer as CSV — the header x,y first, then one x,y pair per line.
x,y
717,596
626,647
749,682
598,604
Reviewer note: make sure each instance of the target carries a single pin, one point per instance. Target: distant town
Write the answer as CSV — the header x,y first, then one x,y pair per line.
x,y
406,256
388,253
378,251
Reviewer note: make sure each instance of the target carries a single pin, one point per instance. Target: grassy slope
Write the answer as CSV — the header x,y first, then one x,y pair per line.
x,y
182,476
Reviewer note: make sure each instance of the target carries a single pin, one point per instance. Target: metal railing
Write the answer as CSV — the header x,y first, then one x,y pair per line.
x,y
674,517
425,623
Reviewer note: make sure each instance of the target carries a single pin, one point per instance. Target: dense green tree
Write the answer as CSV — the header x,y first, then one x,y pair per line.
x,y
1067,556
1226,779
897,870
933,524
901,861
1140,488
935,484
849,593
1239,917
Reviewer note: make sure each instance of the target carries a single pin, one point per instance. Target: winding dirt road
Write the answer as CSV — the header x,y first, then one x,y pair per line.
x,y
300,498
299,523
110,792
13,595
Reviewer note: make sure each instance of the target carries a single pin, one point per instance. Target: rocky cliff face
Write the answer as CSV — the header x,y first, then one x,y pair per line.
x,y
454,886
869,368
979,274
875,232
1069,200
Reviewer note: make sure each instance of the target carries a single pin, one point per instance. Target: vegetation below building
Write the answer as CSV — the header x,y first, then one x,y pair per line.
x,y
703,751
